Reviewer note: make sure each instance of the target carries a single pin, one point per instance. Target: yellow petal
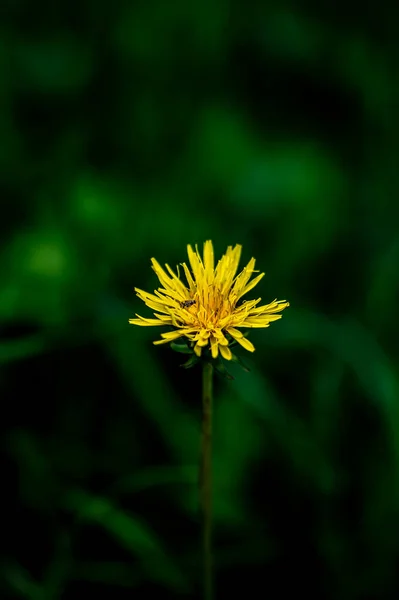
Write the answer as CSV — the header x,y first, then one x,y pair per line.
x,y
202,338
245,343
144,321
225,352
247,306
261,319
137,322
261,309
214,347
179,285
194,262
243,278
239,337
147,297
162,276
172,335
273,307
189,278
222,340
228,268
140,293
209,260
254,324
157,306
234,332
235,259
250,285
203,333
169,297
164,318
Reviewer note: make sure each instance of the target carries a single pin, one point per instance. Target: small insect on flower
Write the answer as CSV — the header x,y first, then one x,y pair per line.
x,y
187,303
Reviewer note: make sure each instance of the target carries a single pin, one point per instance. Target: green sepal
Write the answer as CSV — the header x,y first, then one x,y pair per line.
x,y
238,360
219,367
182,348
193,360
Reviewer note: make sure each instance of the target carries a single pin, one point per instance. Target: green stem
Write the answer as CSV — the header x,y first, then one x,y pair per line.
x,y
205,482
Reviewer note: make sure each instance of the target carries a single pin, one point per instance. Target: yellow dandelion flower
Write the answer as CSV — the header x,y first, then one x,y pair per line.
x,y
207,310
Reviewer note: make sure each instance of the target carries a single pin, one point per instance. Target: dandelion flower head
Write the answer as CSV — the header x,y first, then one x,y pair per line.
x,y
207,310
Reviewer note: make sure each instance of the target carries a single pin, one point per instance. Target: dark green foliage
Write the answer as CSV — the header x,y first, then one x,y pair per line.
x,y
127,131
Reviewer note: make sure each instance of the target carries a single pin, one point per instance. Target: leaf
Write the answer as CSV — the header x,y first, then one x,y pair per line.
x,y
154,477
193,360
14,350
110,573
130,531
221,369
20,581
182,348
239,360
178,428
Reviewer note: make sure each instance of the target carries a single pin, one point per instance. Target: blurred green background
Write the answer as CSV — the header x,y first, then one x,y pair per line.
x,y
130,129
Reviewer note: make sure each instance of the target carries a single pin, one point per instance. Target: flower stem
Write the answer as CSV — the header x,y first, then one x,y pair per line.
x,y
205,480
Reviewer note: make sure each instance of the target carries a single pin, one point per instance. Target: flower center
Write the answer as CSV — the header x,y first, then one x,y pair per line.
x,y
212,306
